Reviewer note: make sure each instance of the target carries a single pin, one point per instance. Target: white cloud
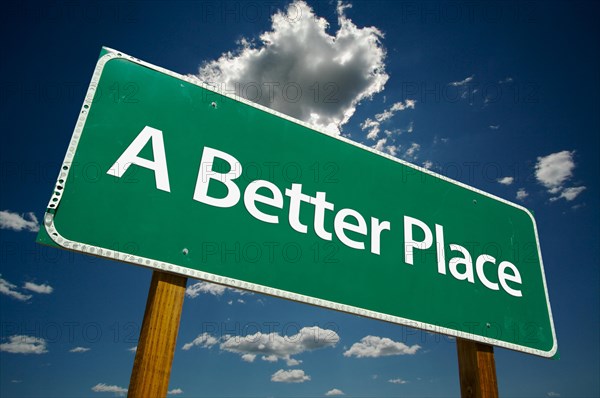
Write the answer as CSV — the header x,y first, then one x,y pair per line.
x,y
508,79
196,289
554,170
506,180
553,394
334,393
428,164
9,290
522,194
494,126
391,111
411,152
79,349
372,126
380,146
41,289
101,387
375,347
204,340
273,347
290,376
132,349
16,222
569,193
299,69
462,82
21,344
397,381
199,288
175,391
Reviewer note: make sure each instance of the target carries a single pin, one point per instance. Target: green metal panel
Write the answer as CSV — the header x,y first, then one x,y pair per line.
x,y
129,219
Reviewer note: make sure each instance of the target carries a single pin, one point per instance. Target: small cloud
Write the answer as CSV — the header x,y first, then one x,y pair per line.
x,y
522,194
248,357
553,394
196,289
132,349
411,152
428,164
506,180
462,82
554,170
213,289
375,347
372,126
380,146
397,381
494,126
10,290
507,79
21,344
175,391
41,289
290,376
16,381
79,349
101,387
569,194
17,222
334,393
204,340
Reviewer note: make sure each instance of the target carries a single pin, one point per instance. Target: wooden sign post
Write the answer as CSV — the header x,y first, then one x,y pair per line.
x,y
156,346
476,369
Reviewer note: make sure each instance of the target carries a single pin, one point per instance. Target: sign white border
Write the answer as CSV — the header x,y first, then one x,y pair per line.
x,y
237,284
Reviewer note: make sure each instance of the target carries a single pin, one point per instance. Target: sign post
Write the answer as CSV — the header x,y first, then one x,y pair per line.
x,y
476,369
156,345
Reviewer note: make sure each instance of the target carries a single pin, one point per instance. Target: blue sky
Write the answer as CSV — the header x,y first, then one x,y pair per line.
x,y
502,96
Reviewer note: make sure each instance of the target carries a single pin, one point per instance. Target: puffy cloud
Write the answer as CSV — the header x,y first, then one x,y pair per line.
x,y
522,194
290,376
428,164
494,126
41,289
79,349
334,393
273,347
101,387
301,70
374,347
175,391
204,340
9,290
17,222
506,180
21,344
397,381
270,347
554,170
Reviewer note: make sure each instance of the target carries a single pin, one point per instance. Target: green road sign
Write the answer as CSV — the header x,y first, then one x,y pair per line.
x,y
164,172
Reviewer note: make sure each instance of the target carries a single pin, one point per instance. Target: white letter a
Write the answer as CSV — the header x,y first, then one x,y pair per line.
x,y
130,156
